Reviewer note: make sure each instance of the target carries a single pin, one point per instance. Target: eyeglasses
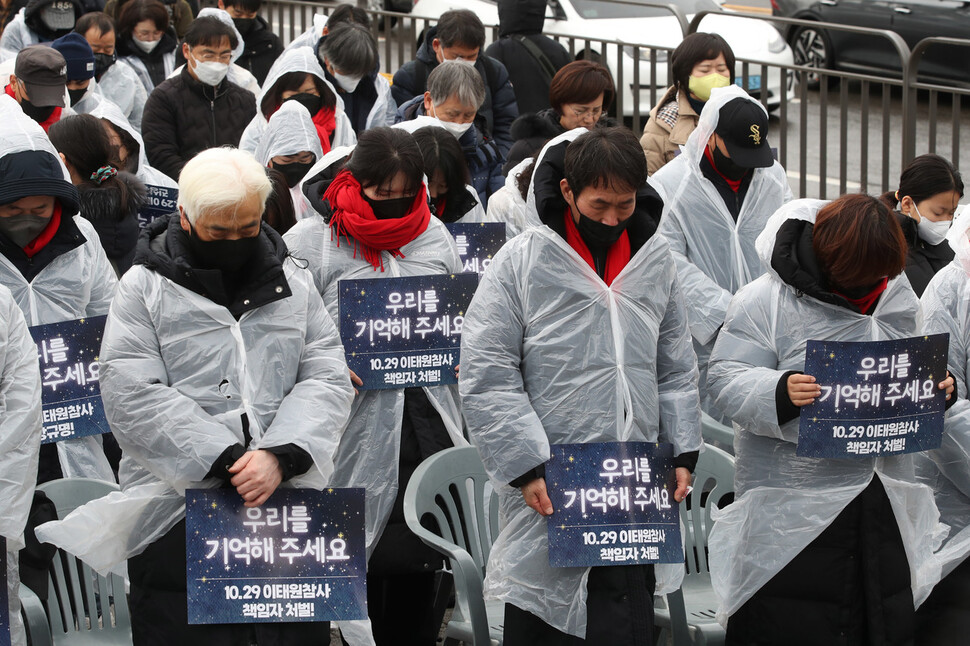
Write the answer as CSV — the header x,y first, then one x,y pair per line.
x,y
582,113
147,34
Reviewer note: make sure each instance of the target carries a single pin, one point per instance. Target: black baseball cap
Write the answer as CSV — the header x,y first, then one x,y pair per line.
x,y
743,125
43,71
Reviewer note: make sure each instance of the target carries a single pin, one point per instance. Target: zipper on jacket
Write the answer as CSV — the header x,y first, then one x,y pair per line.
x,y
212,113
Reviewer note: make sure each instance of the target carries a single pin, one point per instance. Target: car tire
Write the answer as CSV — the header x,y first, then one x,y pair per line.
x,y
811,47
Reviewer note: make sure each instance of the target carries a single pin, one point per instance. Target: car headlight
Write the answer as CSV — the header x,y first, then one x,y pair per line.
x,y
643,53
777,44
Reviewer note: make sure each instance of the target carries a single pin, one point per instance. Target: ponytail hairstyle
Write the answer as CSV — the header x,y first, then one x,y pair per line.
x,y
924,177
87,148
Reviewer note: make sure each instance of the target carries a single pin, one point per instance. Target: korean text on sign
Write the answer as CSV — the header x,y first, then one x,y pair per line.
x,y
477,243
403,332
877,398
70,378
298,557
613,503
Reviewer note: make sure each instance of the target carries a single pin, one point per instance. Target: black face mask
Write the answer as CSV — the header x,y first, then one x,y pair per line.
x,y
727,167
599,235
37,113
101,64
390,209
244,25
311,102
293,172
225,255
76,95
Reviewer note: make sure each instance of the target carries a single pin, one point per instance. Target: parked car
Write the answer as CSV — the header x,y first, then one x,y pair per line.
x,y
914,20
631,24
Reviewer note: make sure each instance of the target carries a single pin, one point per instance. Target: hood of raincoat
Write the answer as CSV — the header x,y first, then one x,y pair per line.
x,y
297,59
707,122
550,204
318,178
290,131
29,163
520,16
32,18
959,238
109,111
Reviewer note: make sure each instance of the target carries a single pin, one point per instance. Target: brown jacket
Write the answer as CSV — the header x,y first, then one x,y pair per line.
x,y
671,122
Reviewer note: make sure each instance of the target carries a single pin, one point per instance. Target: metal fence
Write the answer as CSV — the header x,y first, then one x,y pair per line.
x,y
835,131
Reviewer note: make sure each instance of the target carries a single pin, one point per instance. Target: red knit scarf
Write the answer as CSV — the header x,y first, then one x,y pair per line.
x,y
326,122
616,258
38,243
54,117
354,219
867,302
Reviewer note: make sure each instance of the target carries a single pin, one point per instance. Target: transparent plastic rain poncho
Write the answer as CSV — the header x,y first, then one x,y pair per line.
x,y
121,86
785,501
20,432
236,74
552,355
313,34
138,67
16,36
477,212
165,350
946,308
79,283
148,175
369,450
299,59
506,204
290,132
715,255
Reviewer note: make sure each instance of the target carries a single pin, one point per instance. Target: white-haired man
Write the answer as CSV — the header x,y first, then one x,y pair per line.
x,y
219,364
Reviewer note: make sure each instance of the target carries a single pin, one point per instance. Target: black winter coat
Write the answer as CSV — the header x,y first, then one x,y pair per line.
x,y
530,132
261,48
116,223
498,110
184,117
520,22
923,260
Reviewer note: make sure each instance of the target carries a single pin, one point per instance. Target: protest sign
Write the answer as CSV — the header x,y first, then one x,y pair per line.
x,y
70,378
878,397
160,201
477,243
300,556
404,332
613,504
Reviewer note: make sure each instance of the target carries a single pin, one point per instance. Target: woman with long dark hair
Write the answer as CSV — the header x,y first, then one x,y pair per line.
x,y
817,550
110,196
929,192
372,220
444,166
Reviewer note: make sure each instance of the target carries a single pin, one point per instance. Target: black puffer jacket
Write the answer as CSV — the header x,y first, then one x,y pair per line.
x,y
184,117
261,48
519,22
116,223
530,132
923,260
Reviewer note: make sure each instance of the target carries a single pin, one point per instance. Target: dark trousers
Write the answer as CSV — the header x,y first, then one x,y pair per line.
x,y
401,609
619,610
159,607
944,618
848,587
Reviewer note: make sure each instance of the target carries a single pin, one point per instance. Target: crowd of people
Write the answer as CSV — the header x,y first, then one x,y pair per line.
x,y
647,280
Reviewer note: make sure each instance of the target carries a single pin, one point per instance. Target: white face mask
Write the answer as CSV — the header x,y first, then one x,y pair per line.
x,y
457,129
347,83
465,61
932,233
211,73
147,46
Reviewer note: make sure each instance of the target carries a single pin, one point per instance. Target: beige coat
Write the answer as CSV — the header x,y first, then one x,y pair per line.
x,y
671,122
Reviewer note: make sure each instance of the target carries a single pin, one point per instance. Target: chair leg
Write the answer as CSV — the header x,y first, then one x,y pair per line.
x,y
444,584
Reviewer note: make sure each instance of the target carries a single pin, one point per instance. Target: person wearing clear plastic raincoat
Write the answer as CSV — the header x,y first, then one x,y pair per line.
x,y
290,145
453,198
817,550
508,204
373,221
20,432
220,367
945,616
720,192
578,333
51,260
297,76
131,147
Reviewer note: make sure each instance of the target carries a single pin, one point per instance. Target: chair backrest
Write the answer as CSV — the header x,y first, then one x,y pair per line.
x,y
716,433
452,488
84,605
713,485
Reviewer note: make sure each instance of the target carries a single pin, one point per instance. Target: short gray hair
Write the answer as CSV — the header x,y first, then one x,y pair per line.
x,y
351,49
454,78
218,179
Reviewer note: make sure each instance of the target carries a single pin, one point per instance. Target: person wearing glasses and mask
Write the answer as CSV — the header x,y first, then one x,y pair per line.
x,y
580,93
200,108
452,101
929,192
145,42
